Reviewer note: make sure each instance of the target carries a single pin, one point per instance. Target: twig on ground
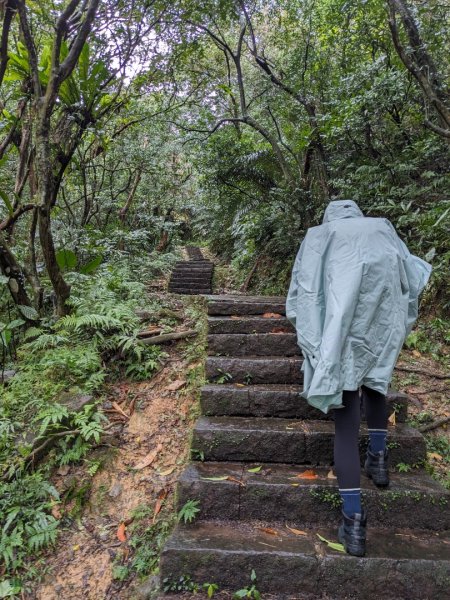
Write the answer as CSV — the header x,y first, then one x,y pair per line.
x,y
434,425
422,372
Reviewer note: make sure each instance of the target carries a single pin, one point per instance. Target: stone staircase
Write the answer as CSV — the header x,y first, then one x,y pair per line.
x,y
193,276
253,418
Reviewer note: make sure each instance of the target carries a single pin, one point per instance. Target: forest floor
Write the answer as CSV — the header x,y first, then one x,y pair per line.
x,y
114,521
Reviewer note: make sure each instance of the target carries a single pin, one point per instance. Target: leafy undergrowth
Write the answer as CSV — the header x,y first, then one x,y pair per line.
x,y
81,354
116,507
423,372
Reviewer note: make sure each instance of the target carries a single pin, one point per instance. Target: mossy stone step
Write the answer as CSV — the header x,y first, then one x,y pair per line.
x,y
291,441
246,305
191,290
256,344
399,564
276,493
274,400
254,369
249,324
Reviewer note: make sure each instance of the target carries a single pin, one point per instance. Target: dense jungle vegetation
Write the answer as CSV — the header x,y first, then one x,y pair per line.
x,y
129,128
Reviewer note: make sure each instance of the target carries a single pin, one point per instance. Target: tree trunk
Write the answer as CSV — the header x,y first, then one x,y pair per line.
x,y
11,268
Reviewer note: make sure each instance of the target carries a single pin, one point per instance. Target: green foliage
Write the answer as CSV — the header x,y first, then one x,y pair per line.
x,y
188,511
250,591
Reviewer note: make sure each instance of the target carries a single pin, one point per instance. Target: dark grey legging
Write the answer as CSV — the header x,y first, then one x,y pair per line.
x,y
346,440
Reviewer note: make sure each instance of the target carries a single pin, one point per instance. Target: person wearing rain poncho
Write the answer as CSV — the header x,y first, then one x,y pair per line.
x,y
353,299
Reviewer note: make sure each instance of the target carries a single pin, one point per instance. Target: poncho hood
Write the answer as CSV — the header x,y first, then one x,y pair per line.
x,y
341,209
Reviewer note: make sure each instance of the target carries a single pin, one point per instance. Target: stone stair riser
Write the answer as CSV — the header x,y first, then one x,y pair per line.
x,y
311,504
314,448
260,344
309,570
216,307
217,325
223,400
254,370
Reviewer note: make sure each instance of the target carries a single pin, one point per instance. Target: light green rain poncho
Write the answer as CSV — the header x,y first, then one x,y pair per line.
x,y
353,299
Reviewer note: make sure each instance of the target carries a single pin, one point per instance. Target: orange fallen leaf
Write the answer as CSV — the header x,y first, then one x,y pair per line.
x,y
434,455
161,497
296,531
331,475
269,530
147,460
235,317
271,315
176,385
121,535
391,419
278,330
309,474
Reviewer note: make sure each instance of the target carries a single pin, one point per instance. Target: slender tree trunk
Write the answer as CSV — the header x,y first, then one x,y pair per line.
x,y
11,268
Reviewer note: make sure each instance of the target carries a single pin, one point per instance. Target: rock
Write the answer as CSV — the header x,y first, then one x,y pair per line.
x,y
115,490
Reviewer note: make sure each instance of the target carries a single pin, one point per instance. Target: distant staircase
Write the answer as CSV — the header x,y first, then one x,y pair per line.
x,y
255,437
193,276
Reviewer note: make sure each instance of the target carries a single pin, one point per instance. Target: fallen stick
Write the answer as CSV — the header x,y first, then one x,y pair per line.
x,y
167,337
434,425
422,372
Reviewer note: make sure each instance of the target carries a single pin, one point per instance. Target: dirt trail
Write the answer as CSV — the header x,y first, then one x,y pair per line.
x,y
90,560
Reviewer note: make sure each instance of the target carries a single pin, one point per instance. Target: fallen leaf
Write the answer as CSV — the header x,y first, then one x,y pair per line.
x,y
56,511
331,475
235,317
268,530
161,497
270,315
309,474
63,470
147,460
75,548
296,531
119,409
333,545
167,471
295,484
176,385
392,419
223,478
278,330
121,535
239,384
434,455
255,469
416,353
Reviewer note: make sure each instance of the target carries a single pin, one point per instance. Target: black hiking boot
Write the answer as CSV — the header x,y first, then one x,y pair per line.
x,y
376,467
352,533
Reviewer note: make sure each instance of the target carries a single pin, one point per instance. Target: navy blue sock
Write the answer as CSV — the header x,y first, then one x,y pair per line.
x,y
377,440
351,499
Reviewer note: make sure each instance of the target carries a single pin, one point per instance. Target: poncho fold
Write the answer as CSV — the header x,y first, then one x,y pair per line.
x,y
353,298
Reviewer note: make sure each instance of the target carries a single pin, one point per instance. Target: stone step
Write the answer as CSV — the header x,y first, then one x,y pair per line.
x,y
191,290
275,493
253,344
194,266
274,400
399,564
191,276
249,324
246,305
295,441
189,284
254,369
